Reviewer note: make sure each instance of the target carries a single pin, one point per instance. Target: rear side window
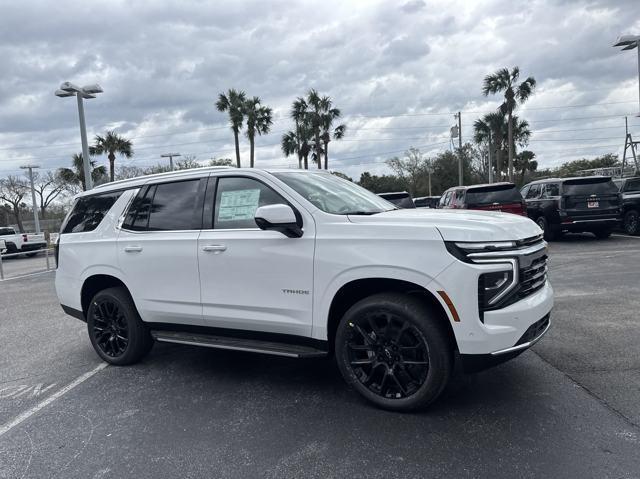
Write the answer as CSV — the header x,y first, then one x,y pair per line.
x,y
550,190
586,187
632,186
88,212
493,194
167,207
533,192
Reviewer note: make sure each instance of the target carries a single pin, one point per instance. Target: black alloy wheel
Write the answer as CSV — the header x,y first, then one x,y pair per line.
x,y
388,355
395,350
116,331
110,327
632,222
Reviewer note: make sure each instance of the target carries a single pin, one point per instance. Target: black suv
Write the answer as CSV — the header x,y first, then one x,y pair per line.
x,y
630,189
586,204
401,199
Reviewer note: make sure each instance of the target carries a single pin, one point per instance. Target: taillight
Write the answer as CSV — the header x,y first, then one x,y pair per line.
x,y
56,251
24,238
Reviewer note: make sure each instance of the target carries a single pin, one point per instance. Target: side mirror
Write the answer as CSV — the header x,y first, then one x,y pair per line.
x,y
280,218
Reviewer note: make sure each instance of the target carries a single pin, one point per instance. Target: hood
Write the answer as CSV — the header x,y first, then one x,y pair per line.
x,y
460,225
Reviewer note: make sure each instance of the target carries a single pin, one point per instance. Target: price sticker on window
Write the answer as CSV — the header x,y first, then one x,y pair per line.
x,y
238,205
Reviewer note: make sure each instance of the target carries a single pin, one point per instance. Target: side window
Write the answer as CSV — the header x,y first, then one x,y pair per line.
x,y
88,212
137,218
175,206
551,190
445,199
632,186
524,191
237,200
459,200
534,192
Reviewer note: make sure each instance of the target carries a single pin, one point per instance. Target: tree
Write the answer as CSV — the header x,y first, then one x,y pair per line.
x,y
514,94
47,188
233,103
411,169
259,121
328,116
220,162
297,142
525,162
298,112
13,190
111,144
74,177
380,184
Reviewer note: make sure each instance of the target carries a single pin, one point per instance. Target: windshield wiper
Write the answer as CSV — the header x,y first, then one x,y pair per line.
x,y
362,213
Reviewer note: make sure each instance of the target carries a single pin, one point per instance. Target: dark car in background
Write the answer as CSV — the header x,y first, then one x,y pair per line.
x,y
503,197
630,190
426,201
401,199
584,204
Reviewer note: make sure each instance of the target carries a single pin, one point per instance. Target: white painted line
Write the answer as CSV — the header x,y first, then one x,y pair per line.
x,y
27,275
626,236
27,414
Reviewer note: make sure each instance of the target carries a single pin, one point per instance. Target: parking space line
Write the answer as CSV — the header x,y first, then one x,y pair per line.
x,y
27,275
30,412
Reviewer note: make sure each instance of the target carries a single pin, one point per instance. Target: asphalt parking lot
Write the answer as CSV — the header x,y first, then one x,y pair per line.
x,y
568,408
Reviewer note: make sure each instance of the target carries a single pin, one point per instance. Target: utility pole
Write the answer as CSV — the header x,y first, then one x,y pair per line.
x,y
170,156
490,162
459,118
33,196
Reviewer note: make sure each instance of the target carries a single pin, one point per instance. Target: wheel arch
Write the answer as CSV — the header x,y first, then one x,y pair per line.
x,y
96,283
355,290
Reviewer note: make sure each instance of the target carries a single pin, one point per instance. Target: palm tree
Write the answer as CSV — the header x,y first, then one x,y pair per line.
x,y
259,120
112,144
298,112
514,94
297,142
75,174
524,162
328,117
233,103
314,121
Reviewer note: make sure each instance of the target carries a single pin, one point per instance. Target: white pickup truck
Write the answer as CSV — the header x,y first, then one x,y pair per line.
x,y
21,242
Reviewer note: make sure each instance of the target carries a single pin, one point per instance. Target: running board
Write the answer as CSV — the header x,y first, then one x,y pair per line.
x,y
239,344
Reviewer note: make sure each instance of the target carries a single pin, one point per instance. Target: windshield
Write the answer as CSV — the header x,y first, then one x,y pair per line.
x,y
335,195
493,194
601,186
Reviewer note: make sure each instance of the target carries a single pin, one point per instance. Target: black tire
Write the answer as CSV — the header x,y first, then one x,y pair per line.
x,y
549,233
602,234
631,222
116,331
411,357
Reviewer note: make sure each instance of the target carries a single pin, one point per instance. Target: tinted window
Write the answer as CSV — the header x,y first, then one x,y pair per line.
x,y
533,192
493,194
596,186
237,200
138,215
550,190
7,231
632,185
175,206
403,200
88,212
444,201
459,199
524,191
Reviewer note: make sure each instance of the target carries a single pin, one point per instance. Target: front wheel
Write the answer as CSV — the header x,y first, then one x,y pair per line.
x,y
394,351
631,222
549,233
116,331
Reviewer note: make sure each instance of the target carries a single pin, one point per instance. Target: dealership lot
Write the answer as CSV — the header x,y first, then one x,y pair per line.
x,y
568,408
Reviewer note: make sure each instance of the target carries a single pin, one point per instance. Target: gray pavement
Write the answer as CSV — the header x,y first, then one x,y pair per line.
x,y
16,266
568,408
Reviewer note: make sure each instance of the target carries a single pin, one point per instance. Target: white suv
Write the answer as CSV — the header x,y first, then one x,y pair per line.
x,y
303,264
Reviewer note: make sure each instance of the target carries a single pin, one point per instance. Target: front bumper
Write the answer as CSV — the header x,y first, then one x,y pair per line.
x,y
472,363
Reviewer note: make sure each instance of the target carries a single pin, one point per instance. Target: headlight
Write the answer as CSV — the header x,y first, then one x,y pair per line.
x,y
494,286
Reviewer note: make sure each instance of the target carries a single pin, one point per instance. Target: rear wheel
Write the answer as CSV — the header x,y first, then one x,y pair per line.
x,y
631,222
393,351
602,234
549,233
116,331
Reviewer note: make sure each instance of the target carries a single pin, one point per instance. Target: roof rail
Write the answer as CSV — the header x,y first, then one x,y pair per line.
x,y
160,175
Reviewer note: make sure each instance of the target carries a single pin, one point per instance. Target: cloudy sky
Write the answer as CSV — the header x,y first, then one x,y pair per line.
x,y
397,70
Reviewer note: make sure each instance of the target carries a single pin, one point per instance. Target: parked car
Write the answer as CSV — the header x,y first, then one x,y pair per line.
x,y
401,199
303,264
22,242
503,197
426,201
630,190
585,204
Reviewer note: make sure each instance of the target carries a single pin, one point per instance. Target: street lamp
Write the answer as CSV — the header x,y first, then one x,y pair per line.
x,y
89,91
629,42
33,196
170,156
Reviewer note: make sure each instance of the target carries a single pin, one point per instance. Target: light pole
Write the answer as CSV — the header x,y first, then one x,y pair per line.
x,y
33,196
629,42
170,156
458,130
89,91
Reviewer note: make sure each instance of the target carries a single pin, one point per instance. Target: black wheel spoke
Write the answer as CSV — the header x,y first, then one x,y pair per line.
x,y
110,328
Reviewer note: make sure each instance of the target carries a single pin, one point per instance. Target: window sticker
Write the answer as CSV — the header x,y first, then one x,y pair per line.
x,y
238,205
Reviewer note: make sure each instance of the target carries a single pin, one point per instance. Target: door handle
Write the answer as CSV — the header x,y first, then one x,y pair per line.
x,y
214,248
132,249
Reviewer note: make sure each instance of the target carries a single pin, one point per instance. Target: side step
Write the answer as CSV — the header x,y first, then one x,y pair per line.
x,y
239,344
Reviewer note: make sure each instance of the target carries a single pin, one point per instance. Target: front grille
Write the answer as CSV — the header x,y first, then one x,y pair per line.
x,y
533,277
534,331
